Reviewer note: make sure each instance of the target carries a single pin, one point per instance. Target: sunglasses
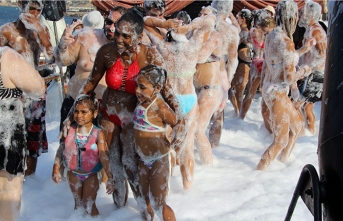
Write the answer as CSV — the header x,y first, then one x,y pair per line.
x,y
109,21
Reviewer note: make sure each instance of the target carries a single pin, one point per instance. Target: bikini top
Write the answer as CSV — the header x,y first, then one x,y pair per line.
x,y
6,93
141,121
122,78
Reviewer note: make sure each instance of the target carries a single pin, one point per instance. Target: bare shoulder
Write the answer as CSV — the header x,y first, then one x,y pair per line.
x,y
162,105
150,55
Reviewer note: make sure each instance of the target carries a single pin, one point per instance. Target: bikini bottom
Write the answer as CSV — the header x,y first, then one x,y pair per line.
x,y
187,102
113,117
150,163
82,176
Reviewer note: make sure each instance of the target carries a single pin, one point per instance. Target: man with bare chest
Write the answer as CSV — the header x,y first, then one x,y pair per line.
x,y
30,38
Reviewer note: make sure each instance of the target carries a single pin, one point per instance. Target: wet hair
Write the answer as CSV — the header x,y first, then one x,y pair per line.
x,y
122,10
156,4
214,11
223,7
263,18
156,75
90,101
182,15
38,2
314,9
246,13
135,18
287,16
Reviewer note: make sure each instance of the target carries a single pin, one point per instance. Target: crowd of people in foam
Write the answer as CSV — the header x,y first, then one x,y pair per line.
x,y
145,89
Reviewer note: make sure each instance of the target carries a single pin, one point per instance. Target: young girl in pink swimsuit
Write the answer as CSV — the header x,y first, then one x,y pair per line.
x,y
151,116
84,153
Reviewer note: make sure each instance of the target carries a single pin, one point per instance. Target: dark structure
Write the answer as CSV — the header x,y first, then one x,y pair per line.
x,y
323,194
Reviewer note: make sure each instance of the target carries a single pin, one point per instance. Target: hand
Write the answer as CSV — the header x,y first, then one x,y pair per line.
x,y
56,175
31,22
110,186
171,24
310,43
65,129
67,37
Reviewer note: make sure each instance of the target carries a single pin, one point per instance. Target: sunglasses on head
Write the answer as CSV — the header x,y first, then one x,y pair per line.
x,y
109,21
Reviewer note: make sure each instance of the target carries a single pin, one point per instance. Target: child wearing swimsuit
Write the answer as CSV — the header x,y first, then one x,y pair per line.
x,y
150,119
84,153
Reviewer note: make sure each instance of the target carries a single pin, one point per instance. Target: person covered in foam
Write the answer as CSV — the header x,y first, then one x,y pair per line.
x,y
84,153
151,117
30,38
209,88
311,88
120,62
17,76
281,63
80,47
239,81
228,61
257,38
181,56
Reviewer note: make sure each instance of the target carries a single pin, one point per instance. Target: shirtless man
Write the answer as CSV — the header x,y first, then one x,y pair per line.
x,y
311,87
228,60
280,61
81,49
30,38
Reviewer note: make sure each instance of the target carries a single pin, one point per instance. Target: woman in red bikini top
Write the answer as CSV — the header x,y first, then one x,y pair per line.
x,y
121,61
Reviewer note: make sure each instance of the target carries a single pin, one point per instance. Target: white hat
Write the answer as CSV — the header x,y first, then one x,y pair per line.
x,y
93,20
270,9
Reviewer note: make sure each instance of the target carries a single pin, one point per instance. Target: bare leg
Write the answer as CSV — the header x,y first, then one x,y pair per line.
x,y
144,185
238,84
187,154
130,158
10,195
90,191
31,164
266,115
310,117
252,86
159,187
216,128
112,132
208,102
280,126
76,189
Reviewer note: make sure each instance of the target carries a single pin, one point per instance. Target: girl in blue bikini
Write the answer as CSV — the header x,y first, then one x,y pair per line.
x,y
84,153
150,119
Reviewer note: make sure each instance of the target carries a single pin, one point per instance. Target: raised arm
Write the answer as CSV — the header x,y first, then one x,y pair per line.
x,y
67,50
291,75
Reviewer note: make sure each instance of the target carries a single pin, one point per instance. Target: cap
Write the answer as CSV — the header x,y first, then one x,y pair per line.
x,y
270,9
93,20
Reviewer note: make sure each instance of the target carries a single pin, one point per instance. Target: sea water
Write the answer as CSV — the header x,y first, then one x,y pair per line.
x,y
10,14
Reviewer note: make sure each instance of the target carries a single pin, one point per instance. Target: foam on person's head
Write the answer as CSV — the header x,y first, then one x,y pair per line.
x,y
25,5
287,16
93,19
157,4
223,7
